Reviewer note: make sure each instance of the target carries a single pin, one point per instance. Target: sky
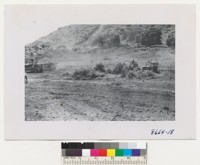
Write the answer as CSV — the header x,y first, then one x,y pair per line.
x,y
30,22
35,21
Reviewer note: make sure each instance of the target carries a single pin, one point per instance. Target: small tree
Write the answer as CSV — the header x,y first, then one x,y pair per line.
x,y
99,67
151,37
118,68
138,40
171,40
100,41
113,41
116,40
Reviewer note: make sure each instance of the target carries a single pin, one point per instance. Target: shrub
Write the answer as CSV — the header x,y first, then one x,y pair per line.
x,y
106,41
81,74
123,73
171,40
138,40
133,65
145,74
118,68
114,41
151,37
123,68
131,74
100,41
86,74
139,74
109,71
149,74
166,108
99,67
92,74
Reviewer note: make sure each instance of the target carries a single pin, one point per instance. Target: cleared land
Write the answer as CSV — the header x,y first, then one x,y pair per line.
x,y
56,96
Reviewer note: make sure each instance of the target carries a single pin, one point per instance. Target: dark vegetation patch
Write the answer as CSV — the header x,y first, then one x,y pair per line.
x,y
86,74
129,70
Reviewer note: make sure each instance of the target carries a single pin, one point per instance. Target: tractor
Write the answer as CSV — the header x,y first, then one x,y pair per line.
x,y
31,66
151,65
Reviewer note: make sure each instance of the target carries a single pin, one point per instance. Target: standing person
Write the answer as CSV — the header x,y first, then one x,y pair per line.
x,y
26,78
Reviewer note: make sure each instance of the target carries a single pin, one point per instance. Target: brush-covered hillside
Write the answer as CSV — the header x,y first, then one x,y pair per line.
x,y
85,38
102,73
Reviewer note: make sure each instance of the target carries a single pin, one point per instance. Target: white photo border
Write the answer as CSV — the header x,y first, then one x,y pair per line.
x,y
183,16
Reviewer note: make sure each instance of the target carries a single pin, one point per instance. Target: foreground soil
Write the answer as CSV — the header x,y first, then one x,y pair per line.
x,y
126,100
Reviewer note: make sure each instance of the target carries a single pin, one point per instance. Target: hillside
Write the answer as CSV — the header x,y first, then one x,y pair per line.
x,y
84,38
102,73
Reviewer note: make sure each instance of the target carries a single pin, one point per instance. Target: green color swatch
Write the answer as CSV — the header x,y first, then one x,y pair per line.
x,y
119,152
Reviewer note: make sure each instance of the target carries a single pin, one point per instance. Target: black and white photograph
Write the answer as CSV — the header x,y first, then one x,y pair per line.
x,y
101,72
99,82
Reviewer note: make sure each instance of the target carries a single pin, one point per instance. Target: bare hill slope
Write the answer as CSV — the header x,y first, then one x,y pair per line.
x,y
83,38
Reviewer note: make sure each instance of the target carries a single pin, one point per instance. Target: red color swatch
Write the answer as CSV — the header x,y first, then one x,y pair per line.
x,y
102,152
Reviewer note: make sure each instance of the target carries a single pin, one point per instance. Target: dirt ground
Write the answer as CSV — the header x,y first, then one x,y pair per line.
x,y
106,99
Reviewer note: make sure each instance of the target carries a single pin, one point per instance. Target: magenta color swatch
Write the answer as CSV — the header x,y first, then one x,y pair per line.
x,y
94,152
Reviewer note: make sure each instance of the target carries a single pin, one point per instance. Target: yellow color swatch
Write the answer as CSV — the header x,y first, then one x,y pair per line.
x,y
110,152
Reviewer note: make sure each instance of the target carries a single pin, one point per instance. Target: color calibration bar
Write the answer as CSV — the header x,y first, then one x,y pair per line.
x,y
104,153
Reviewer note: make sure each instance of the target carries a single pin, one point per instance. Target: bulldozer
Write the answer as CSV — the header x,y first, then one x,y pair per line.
x,y
35,64
48,66
151,65
31,66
